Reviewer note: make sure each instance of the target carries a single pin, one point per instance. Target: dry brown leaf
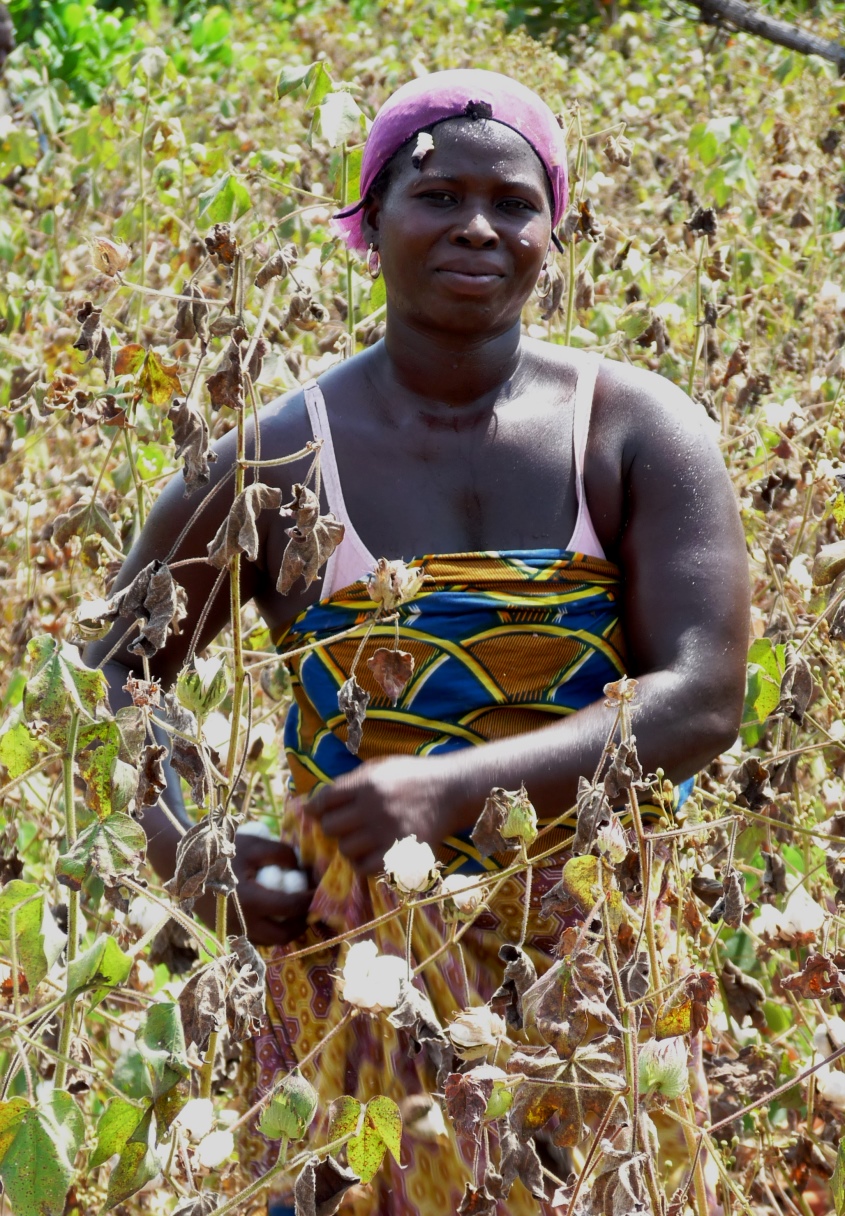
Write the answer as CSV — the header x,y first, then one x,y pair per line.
x,y
256,360
618,150
466,1097
563,1000
152,782
774,874
477,1201
624,771
321,1185
731,905
594,811
796,687
191,315
204,860
313,539
520,975
817,978
750,782
156,599
744,995
392,669
222,244
239,531
226,386
415,1015
352,701
278,265
201,1002
93,338
190,434
621,1189
507,820
518,1159
188,759
246,1006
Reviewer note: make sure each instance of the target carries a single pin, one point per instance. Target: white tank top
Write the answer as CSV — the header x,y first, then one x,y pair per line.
x,y
352,560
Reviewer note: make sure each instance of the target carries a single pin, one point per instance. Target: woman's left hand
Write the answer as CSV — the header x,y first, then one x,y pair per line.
x,y
381,802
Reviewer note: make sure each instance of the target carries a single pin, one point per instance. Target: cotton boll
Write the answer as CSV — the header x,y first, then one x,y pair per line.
x,y
196,1118
386,976
275,878
213,1150
663,1067
410,865
475,1031
143,914
464,896
768,922
830,1085
802,914
828,1038
257,828
370,980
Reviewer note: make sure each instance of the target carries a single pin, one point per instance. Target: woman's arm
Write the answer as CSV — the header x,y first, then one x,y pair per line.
x,y
264,910
685,613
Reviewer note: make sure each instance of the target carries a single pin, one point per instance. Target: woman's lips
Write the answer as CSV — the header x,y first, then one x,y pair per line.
x,y
467,280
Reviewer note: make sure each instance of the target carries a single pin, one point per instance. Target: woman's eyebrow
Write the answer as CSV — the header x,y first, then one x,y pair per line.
x,y
428,178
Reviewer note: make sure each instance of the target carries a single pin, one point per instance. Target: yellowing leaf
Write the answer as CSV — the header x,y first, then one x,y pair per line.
x,y
675,1017
129,359
26,916
19,749
38,1146
159,381
387,1120
344,1115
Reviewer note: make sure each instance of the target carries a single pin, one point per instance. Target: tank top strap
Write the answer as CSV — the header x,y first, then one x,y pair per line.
x,y
584,538
352,559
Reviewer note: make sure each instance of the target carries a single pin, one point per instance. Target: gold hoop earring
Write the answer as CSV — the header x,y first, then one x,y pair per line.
x,y
373,263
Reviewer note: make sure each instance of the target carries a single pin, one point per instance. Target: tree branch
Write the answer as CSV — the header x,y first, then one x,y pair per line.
x,y
745,17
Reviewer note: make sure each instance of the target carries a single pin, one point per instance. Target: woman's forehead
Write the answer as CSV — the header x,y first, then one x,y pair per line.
x,y
481,142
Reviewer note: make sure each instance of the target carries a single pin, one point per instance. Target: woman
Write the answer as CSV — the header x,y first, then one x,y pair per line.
x,y
582,523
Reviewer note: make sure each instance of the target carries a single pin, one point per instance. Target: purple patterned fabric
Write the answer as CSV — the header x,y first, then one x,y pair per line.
x,y
450,94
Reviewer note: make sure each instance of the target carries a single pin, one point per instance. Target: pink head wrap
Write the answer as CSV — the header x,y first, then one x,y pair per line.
x,y
451,94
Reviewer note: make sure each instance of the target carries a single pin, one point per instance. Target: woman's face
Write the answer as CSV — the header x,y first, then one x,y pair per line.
x,y
462,239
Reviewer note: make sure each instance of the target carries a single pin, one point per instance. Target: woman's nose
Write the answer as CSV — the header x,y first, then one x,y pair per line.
x,y
476,230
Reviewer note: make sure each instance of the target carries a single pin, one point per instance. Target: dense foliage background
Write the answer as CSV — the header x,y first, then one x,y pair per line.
x,y
707,243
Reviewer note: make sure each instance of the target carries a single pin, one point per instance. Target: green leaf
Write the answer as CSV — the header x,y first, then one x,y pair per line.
x,y
386,1118
339,118
117,1123
104,961
109,847
837,1182
38,1146
161,1041
19,749
139,1162
291,78
38,939
320,82
110,782
60,683
226,201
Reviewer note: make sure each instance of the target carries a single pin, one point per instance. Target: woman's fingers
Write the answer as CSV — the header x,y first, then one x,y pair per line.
x,y
274,905
328,798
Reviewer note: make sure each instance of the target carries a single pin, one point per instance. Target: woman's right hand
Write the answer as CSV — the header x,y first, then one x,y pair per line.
x,y
273,918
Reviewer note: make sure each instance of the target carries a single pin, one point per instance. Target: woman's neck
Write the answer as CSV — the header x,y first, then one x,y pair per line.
x,y
444,374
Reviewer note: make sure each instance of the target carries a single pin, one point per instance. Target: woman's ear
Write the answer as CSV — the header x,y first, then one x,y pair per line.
x,y
370,216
